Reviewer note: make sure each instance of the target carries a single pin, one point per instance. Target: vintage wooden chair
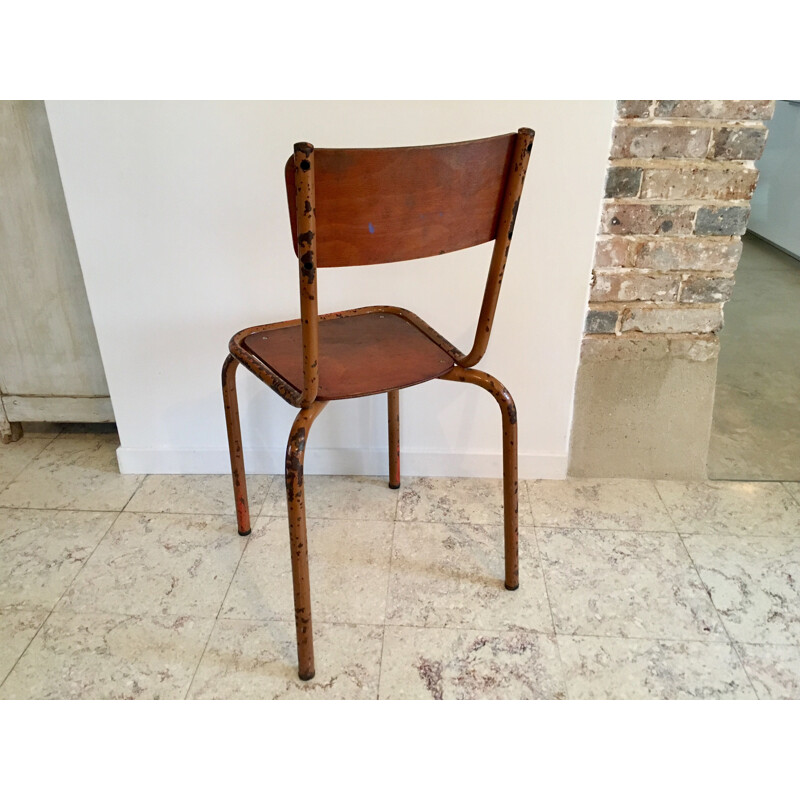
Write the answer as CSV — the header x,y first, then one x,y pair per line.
x,y
370,206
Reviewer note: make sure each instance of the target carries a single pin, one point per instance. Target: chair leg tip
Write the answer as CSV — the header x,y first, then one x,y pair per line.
x,y
245,533
394,485
512,588
306,676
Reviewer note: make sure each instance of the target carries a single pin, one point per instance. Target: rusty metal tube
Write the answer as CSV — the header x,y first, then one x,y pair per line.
x,y
295,498
510,469
393,403
235,444
305,209
502,242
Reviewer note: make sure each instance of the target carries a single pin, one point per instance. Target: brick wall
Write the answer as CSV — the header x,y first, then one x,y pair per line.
x,y
678,191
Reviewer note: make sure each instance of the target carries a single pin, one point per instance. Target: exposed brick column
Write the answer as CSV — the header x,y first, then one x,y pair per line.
x,y
678,191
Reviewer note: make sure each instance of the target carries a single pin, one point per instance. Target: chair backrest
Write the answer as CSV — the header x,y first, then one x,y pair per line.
x,y
376,206
351,207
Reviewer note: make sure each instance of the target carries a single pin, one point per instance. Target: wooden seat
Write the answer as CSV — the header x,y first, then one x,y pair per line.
x,y
352,207
368,352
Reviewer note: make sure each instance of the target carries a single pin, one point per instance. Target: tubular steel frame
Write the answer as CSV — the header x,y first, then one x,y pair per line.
x,y
310,407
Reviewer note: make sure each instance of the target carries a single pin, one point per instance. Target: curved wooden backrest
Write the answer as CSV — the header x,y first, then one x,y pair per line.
x,y
354,207
376,206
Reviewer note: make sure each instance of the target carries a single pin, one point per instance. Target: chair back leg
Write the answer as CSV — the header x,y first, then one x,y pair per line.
x,y
235,444
510,468
295,498
393,398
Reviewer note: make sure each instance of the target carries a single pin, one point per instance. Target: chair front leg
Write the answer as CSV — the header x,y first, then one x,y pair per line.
x,y
393,402
235,444
510,469
295,497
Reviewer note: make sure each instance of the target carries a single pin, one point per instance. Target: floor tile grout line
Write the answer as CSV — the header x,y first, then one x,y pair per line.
x,y
650,531
271,483
530,505
664,639
143,477
214,624
735,646
386,609
26,465
219,611
795,500
666,508
552,616
199,513
87,510
719,617
63,594
748,535
126,510
496,630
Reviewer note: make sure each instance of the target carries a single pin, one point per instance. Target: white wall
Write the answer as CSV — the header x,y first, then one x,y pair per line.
x,y
182,229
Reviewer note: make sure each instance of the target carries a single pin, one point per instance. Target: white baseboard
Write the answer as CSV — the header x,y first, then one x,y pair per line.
x,y
339,461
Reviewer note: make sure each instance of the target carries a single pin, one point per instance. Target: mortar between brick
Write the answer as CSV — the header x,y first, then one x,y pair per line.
x,y
634,346
679,201
686,122
669,305
683,163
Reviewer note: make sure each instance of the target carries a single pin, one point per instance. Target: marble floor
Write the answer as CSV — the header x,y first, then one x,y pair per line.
x,y
124,586
755,432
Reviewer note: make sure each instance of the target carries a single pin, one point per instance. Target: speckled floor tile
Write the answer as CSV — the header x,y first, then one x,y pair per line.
x,y
774,669
337,497
170,564
109,657
754,583
640,669
15,456
793,489
17,629
449,664
452,575
474,500
257,660
414,608
74,472
762,509
41,552
612,504
197,494
348,568
628,584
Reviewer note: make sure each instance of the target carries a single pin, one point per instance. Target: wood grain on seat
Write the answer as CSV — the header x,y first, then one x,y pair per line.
x,y
359,355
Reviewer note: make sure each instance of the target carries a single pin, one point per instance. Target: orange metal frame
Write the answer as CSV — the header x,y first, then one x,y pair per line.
x,y
305,398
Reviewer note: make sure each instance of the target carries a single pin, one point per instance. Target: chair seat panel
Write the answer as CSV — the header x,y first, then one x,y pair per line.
x,y
359,354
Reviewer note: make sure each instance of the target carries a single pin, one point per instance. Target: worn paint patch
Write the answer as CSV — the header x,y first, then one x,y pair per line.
x,y
514,211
